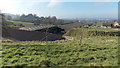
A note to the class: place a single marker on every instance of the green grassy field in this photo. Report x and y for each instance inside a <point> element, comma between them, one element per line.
<point>92,32</point>
<point>88,51</point>
<point>17,24</point>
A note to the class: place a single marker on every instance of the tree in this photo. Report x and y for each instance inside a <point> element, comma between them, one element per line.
<point>33,18</point>
<point>23,18</point>
<point>8,17</point>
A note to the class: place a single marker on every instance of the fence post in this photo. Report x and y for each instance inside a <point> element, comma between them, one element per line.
<point>81,37</point>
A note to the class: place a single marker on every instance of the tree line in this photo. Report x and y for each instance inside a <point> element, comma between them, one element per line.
<point>33,18</point>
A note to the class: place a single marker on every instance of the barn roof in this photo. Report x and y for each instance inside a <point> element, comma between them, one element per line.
<point>39,27</point>
<point>35,27</point>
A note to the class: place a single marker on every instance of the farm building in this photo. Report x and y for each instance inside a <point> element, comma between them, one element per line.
<point>32,33</point>
<point>39,32</point>
<point>116,24</point>
<point>111,24</point>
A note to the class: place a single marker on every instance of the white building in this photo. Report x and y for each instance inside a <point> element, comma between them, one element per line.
<point>116,24</point>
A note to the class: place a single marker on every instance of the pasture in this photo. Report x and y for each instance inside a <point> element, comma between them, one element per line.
<point>17,24</point>
<point>80,51</point>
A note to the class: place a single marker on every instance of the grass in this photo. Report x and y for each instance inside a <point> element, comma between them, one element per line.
<point>17,23</point>
<point>95,29</point>
<point>24,23</point>
<point>93,51</point>
<point>62,53</point>
<point>92,32</point>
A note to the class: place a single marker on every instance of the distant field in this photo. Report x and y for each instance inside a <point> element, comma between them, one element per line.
<point>17,23</point>
<point>85,51</point>
<point>93,32</point>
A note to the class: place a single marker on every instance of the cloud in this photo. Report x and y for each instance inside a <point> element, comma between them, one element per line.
<point>17,6</point>
<point>97,4</point>
<point>53,3</point>
<point>20,6</point>
<point>8,5</point>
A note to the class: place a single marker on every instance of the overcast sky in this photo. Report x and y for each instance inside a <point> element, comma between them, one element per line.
<point>62,8</point>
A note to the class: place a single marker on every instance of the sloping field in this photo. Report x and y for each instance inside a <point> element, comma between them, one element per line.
<point>18,23</point>
<point>85,51</point>
<point>92,32</point>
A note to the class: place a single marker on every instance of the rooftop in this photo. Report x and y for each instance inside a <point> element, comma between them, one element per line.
<point>32,28</point>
